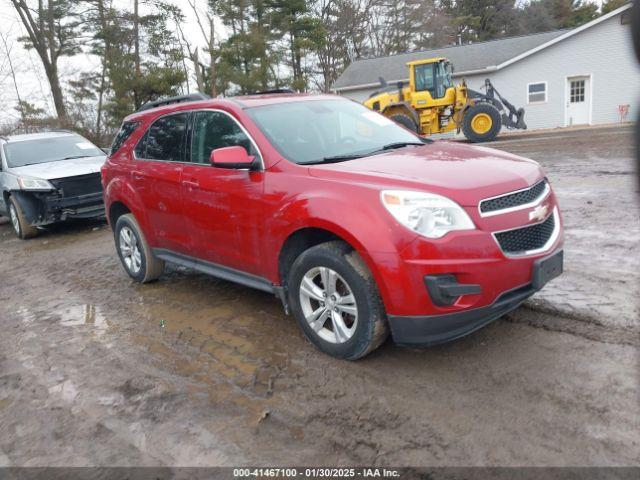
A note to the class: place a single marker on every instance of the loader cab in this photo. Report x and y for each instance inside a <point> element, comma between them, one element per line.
<point>432,76</point>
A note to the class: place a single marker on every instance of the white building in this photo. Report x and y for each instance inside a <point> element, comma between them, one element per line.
<point>586,75</point>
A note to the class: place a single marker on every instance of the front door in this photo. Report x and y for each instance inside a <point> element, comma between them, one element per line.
<point>223,206</point>
<point>578,100</point>
<point>157,176</point>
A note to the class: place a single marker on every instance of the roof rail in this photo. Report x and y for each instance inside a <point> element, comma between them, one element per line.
<point>273,90</point>
<point>193,97</point>
<point>61,130</point>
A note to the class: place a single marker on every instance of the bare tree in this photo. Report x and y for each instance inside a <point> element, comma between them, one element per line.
<point>206,24</point>
<point>192,53</point>
<point>12,72</point>
<point>52,32</point>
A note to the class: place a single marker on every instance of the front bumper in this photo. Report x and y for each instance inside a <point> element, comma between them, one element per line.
<point>45,208</point>
<point>82,206</point>
<point>435,329</point>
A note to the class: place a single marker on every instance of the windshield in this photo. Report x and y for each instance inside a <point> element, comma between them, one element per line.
<point>50,149</point>
<point>316,131</point>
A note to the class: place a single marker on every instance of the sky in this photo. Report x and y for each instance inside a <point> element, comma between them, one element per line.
<point>31,80</point>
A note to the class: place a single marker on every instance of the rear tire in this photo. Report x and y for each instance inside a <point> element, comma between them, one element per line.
<point>21,227</point>
<point>134,251</point>
<point>406,121</point>
<point>481,123</point>
<point>343,316</point>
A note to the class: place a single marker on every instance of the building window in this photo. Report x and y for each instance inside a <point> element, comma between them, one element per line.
<point>537,92</point>
<point>576,94</point>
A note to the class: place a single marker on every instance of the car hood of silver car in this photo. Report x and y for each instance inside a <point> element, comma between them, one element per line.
<point>62,168</point>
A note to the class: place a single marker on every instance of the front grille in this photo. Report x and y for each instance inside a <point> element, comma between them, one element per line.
<point>80,185</point>
<point>528,238</point>
<point>513,199</point>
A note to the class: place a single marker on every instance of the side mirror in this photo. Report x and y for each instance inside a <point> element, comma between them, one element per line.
<point>231,157</point>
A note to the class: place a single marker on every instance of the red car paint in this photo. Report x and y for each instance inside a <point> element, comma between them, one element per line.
<point>241,219</point>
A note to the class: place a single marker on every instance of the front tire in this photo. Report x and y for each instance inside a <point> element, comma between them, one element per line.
<point>21,227</point>
<point>134,251</point>
<point>481,123</point>
<point>335,300</point>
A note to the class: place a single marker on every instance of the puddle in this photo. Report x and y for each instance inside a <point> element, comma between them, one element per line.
<point>71,316</point>
<point>79,315</point>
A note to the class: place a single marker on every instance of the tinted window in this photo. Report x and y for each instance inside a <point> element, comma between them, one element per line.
<point>125,132</point>
<point>165,139</point>
<point>49,149</point>
<point>216,130</point>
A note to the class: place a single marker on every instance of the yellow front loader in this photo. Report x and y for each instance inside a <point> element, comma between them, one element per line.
<point>431,104</point>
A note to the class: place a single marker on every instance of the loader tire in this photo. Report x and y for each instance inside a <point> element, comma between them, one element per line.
<point>405,120</point>
<point>481,123</point>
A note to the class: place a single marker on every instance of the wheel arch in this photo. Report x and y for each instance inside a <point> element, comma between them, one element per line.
<point>402,107</point>
<point>5,198</point>
<point>116,210</point>
<point>305,237</point>
<point>121,198</point>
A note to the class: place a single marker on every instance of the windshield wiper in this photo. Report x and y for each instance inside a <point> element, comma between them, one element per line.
<point>353,156</point>
<point>335,159</point>
<point>393,146</point>
<point>73,157</point>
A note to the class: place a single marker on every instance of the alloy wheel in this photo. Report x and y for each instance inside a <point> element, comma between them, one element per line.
<point>130,250</point>
<point>328,305</point>
<point>14,219</point>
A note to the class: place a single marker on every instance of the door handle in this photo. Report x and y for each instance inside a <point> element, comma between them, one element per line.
<point>137,175</point>
<point>190,183</point>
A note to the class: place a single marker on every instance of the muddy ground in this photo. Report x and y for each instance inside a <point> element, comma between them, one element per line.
<point>96,370</point>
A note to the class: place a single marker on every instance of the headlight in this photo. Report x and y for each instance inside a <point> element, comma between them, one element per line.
<point>430,215</point>
<point>34,184</point>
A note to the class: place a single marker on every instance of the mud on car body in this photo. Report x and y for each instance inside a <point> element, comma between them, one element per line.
<point>49,177</point>
<point>359,226</point>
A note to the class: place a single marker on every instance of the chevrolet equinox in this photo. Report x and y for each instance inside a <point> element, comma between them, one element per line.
<point>360,227</point>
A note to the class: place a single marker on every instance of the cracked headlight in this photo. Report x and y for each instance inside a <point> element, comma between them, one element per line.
<point>427,214</point>
<point>27,183</point>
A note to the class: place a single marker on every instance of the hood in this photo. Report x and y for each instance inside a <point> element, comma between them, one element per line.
<point>464,173</point>
<point>62,168</point>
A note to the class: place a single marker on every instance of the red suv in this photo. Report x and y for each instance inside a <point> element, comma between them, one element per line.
<point>357,225</point>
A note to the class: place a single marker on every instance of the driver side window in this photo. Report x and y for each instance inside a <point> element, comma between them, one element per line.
<point>212,130</point>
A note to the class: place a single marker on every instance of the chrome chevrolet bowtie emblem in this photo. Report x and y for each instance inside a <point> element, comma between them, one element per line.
<point>539,213</point>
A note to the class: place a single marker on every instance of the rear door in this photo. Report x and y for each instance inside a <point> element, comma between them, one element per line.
<point>223,206</point>
<point>157,174</point>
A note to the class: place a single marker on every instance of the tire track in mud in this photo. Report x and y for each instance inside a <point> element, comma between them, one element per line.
<point>546,316</point>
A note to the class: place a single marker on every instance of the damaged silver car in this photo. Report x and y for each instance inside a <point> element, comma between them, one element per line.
<point>49,177</point>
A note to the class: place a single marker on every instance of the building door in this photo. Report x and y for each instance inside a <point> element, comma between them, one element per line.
<point>578,101</point>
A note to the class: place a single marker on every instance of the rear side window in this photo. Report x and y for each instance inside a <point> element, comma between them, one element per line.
<point>125,132</point>
<point>216,130</point>
<point>165,139</point>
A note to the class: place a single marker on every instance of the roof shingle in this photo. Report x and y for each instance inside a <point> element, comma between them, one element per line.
<point>474,56</point>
